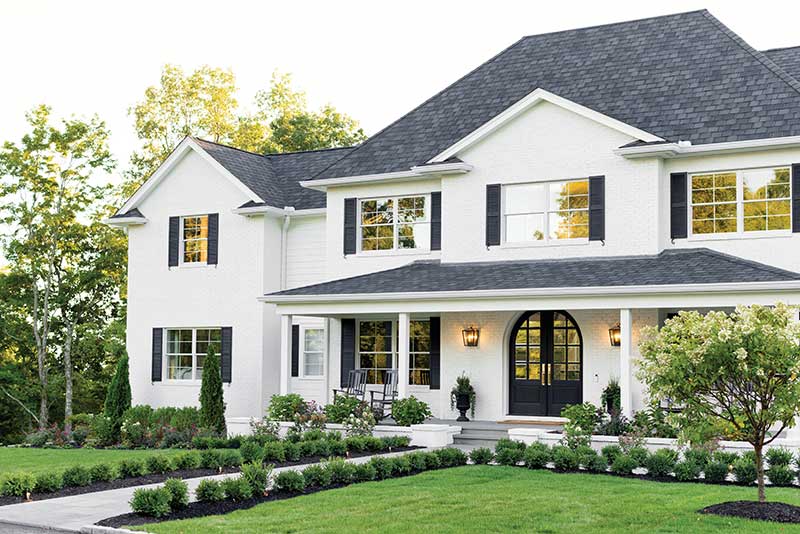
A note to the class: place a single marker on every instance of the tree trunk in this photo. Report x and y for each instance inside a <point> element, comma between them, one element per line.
<point>760,472</point>
<point>40,356</point>
<point>68,377</point>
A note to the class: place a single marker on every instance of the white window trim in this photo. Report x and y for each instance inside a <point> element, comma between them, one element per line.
<point>194,381</point>
<point>395,226</point>
<point>302,354</point>
<point>547,241</point>
<point>394,353</point>
<point>181,244</point>
<point>739,233</point>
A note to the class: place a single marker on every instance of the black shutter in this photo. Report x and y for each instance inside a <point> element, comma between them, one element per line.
<point>158,346</point>
<point>492,215</point>
<point>226,358</point>
<point>677,205</point>
<point>435,352</point>
<point>213,238</point>
<point>295,350</point>
<point>436,221</point>
<point>350,226</point>
<point>796,197</point>
<point>597,208</point>
<point>174,230</point>
<point>387,343</point>
<point>348,356</point>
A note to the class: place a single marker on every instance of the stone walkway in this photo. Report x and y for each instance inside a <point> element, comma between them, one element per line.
<point>70,514</point>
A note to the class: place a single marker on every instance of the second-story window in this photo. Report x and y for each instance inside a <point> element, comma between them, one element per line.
<point>393,223</point>
<point>743,202</point>
<point>546,211</point>
<point>194,239</point>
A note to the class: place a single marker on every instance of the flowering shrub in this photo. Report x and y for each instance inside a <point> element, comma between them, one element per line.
<point>361,422</point>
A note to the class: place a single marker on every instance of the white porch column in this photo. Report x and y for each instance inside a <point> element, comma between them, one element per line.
<point>403,342</point>
<point>625,327</point>
<point>286,353</point>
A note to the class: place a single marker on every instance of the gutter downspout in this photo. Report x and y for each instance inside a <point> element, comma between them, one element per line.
<point>284,243</point>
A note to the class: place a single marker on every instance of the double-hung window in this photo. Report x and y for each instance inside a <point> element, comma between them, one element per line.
<point>393,223</point>
<point>741,202</point>
<point>546,211</point>
<point>313,352</point>
<point>194,239</point>
<point>377,352</point>
<point>187,349</point>
<point>420,353</point>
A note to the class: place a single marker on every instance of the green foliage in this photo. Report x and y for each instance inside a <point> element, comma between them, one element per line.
<point>77,475</point>
<point>341,408</point>
<point>18,484</point>
<point>611,396</point>
<point>105,431</point>
<point>236,489</point>
<point>452,457</point>
<point>48,482</point>
<point>611,452</point>
<point>463,386</point>
<point>364,472</point>
<point>257,476</point>
<point>290,450</point>
<point>482,455</point>
<point>410,411</point>
<point>285,407</point>
<point>781,475</point>
<point>597,464</point>
<point>290,481</point>
<point>639,454</point>
<point>508,455</point>
<point>744,469</point>
<point>188,460</point>
<point>686,471</point>
<point>102,472</point>
<point>401,465</point>
<point>252,452</point>
<point>118,396</point>
<point>230,458</point>
<point>131,467</point>
<point>725,457</point>
<point>583,416</point>
<point>342,472</point>
<point>623,464</point>
<point>151,502</point>
<point>661,463</point>
<point>778,456</point>
<point>316,476</point>
<point>275,451</point>
<point>212,405</point>
<point>537,456</point>
<point>211,459</point>
<point>585,454</point>
<point>382,466</point>
<point>159,464</point>
<point>178,493</point>
<point>209,490</point>
<point>701,457</point>
<point>716,471</point>
<point>432,461</point>
<point>417,459</point>
<point>565,458</point>
<point>506,443</point>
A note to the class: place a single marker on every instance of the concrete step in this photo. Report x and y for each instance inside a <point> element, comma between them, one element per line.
<point>474,443</point>
<point>484,434</point>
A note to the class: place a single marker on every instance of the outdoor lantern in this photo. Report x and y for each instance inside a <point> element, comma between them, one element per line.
<point>614,335</point>
<point>470,336</point>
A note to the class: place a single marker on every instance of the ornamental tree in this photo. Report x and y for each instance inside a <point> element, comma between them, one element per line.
<point>212,405</point>
<point>118,396</point>
<point>737,370</point>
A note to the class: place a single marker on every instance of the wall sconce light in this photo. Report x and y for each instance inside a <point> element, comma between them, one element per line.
<point>470,336</point>
<point>614,335</point>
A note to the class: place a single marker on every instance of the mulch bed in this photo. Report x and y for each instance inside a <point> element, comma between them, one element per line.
<point>764,511</point>
<point>181,473</point>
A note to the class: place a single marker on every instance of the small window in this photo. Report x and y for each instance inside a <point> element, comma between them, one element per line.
<point>313,352</point>
<point>187,349</point>
<point>393,223</point>
<point>420,353</point>
<point>546,211</point>
<point>375,349</point>
<point>194,239</point>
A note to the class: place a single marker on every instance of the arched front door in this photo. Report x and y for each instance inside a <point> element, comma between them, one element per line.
<point>546,357</point>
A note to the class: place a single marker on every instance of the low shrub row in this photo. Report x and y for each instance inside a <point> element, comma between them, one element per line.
<point>714,467</point>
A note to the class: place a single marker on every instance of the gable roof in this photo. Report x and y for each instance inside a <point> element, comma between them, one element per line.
<point>670,267</point>
<point>786,58</point>
<point>683,77</point>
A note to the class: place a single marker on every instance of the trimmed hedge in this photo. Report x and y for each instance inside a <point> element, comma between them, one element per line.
<point>151,502</point>
<point>290,481</point>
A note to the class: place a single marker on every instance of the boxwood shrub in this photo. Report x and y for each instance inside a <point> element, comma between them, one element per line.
<point>383,467</point>
<point>337,447</point>
<point>48,482</point>
<point>18,484</point>
<point>451,457</point>
<point>252,451</point>
<point>432,461</point>
<point>508,455</point>
<point>290,481</point>
<point>159,464</point>
<point>230,458</point>
<point>564,458</point>
<point>597,464</point>
<point>686,471</point>
<point>291,452</point>
<point>506,443</point>
<point>102,472</point>
<point>188,460</point>
<point>700,457</point>
<point>178,493</point>
<point>725,457</point>
<point>342,472</point>
<point>781,475</point>
<point>661,463</point>
<point>364,472</point>
<point>744,469</point>
<point>418,462</point>
<point>131,467</point>
<point>257,476</point>
<point>236,489</point>
<point>275,451</point>
<point>317,476</point>
<point>151,502</point>
<point>401,465</point>
<point>77,475</point>
<point>624,464</point>
<point>639,454</point>
<point>210,459</point>
<point>611,452</point>
<point>481,455</point>
<point>778,456</point>
<point>537,456</point>
<point>209,490</point>
<point>715,471</point>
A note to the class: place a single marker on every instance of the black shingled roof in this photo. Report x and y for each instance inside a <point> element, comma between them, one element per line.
<point>670,267</point>
<point>680,77</point>
<point>786,58</point>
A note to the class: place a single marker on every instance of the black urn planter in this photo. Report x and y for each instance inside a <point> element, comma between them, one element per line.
<point>462,405</point>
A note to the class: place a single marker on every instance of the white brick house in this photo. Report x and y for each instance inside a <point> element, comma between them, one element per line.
<point>576,182</point>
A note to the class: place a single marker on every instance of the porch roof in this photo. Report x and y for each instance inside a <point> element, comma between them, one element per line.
<point>692,268</point>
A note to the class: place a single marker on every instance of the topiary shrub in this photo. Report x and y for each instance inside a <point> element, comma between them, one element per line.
<point>102,472</point>
<point>744,469</point>
<point>700,457</point>
<point>725,457</point>
<point>611,453</point>
<point>236,489</point>
<point>418,463</point>
<point>585,454</point>
<point>401,465</point>
<point>509,456</point>
<point>624,465</point>
<point>210,459</point>
<point>159,464</point>
<point>506,443</point>
<point>686,471</point>
<point>118,399</point>
<point>151,502</point>
<point>364,472</point>
<point>781,475</point>
<point>178,493</point>
<point>432,461</point>
<point>290,481</point>
<point>410,411</point>
<point>257,476</point>
<point>230,458</point>
<point>291,451</point>
<point>187,460</point>
<point>252,451</point>
<point>340,471</point>
<point>18,484</point>
<point>778,456</point>
<point>48,482</point>
<point>597,464</point>
<point>481,456</point>
<point>661,463</point>
<point>337,448</point>
<point>537,456</point>
<point>382,466</point>
<point>318,477</point>
<point>564,458</point>
<point>452,457</point>
<point>76,475</point>
<point>715,472</point>
<point>639,454</point>
<point>275,451</point>
<point>209,490</point>
<point>131,467</point>
<point>375,444</point>
<point>212,404</point>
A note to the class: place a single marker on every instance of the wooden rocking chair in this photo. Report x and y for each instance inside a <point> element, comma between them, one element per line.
<point>381,401</point>
<point>356,385</point>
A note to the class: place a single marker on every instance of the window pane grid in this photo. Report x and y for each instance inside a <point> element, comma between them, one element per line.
<point>376,351</point>
<point>186,350</point>
<point>395,223</point>
<point>546,211</point>
<point>195,239</point>
<point>313,351</point>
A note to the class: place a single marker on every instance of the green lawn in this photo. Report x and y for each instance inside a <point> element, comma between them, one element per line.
<point>496,499</point>
<point>38,460</point>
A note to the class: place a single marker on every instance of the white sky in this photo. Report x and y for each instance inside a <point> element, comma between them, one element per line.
<point>373,60</point>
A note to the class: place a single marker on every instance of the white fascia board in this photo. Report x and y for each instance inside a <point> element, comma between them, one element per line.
<point>685,150</point>
<point>176,156</point>
<point>414,173</point>
<point>533,98</point>
<point>278,212</point>
<point>122,222</point>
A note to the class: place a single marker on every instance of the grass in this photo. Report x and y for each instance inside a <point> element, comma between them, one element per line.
<point>496,499</point>
<point>38,460</point>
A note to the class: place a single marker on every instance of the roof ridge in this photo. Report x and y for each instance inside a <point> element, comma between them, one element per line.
<point>758,56</point>
<point>780,48</point>
<point>752,263</point>
<point>226,146</point>
<point>270,154</point>
<point>607,24</point>
<point>376,134</point>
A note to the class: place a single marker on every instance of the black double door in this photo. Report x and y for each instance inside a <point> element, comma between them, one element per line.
<point>546,358</point>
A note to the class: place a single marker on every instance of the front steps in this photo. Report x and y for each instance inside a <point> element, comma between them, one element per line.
<point>480,436</point>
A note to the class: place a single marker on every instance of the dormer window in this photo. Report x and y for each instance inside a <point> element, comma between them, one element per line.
<point>395,223</point>
<point>194,239</point>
